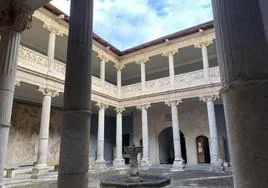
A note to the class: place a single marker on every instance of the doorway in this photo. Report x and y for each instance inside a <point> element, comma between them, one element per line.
<point>166,146</point>
<point>202,149</point>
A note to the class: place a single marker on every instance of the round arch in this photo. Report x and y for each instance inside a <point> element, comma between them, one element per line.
<point>202,149</point>
<point>166,146</point>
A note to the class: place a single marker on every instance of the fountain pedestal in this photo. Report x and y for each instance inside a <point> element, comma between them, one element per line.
<point>134,179</point>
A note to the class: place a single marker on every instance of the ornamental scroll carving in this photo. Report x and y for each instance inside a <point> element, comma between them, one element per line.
<point>16,19</point>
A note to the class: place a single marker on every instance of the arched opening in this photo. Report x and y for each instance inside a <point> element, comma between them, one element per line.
<point>166,146</point>
<point>202,148</point>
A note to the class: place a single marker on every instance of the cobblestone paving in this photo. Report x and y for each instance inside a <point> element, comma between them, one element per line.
<point>185,179</point>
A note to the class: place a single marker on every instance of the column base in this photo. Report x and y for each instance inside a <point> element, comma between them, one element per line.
<point>99,165</point>
<point>217,166</point>
<point>39,170</point>
<point>119,163</point>
<point>178,165</point>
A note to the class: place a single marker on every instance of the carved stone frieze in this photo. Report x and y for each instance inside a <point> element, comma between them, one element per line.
<point>16,18</point>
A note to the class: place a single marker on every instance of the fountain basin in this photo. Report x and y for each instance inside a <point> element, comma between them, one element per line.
<point>144,181</point>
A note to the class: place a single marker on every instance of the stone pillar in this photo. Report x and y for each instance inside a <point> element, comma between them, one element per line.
<point>216,161</point>
<point>103,60</point>
<point>170,55</point>
<point>243,62</point>
<point>119,162</point>
<point>13,21</point>
<point>74,149</point>
<point>100,162</point>
<point>179,163</point>
<point>41,167</point>
<point>142,62</point>
<point>119,77</point>
<point>204,46</point>
<point>53,32</point>
<point>145,161</point>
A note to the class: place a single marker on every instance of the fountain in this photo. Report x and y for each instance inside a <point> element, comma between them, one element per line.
<point>134,179</point>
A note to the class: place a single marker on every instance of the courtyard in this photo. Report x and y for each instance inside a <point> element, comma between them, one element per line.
<point>193,177</point>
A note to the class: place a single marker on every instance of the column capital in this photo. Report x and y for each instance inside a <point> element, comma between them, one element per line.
<point>173,102</point>
<point>119,66</point>
<point>119,110</point>
<point>208,98</point>
<point>143,106</point>
<point>142,60</point>
<point>203,44</point>
<point>102,106</point>
<point>48,92</point>
<point>16,18</point>
<point>102,57</point>
<point>170,52</point>
<point>53,29</point>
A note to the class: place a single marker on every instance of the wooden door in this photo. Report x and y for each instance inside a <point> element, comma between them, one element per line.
<point>202,148</point>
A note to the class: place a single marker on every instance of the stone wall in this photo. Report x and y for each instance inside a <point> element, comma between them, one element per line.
<point>24,134</point>
<point>193,123</point>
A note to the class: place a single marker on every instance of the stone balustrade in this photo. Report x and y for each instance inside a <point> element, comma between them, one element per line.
<point>37,63</point>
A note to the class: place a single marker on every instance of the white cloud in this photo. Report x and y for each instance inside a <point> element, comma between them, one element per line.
<point>126,23</point>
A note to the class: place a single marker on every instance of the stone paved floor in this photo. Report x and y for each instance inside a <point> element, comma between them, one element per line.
<point>192,177</point>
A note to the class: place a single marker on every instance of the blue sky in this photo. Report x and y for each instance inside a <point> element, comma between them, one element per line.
<point>128,23</point>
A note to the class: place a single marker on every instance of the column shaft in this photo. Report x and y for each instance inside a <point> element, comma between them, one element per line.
<point>171,69</point>
<point>119,80</point>
<point>74,149</point>
<point>44,131</point>
<point>100,145</point>
<point>205,61</point>
<point>214,140</point>
<point>145,138</point>
<point>102,70</point>
<point>243,61</point>
<point>143,76</point>
<point>51,49</point>
<point>9,48</point>
<point>119,135</point>
<point>176,133</point>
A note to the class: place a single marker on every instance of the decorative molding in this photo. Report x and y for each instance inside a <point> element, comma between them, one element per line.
<point>103,57</point>
<point>209,98</point>
<point>102,106</point>
<point>119,110</point>
<point>173,102</point>
<point>143,106</point>
<point>54,29</point>
<point>16,19</point>
<point>203,44</point>
<point>48,92</point>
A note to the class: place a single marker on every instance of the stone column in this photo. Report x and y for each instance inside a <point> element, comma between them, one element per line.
<point>119,77</point>
<point>13,21</point>
<point>243,62</point>
<point>41,167</point>
<point>74,149</point>
<point>103,60</point>
<point>53,32</point>
<point>119,162</point>
<point>170,55</point>
<point>145,161</point>
<point>142,62</point>
<point>100,162</point>
<point>204,46</point>
<point>179,163</point>
<point>216,161</point>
